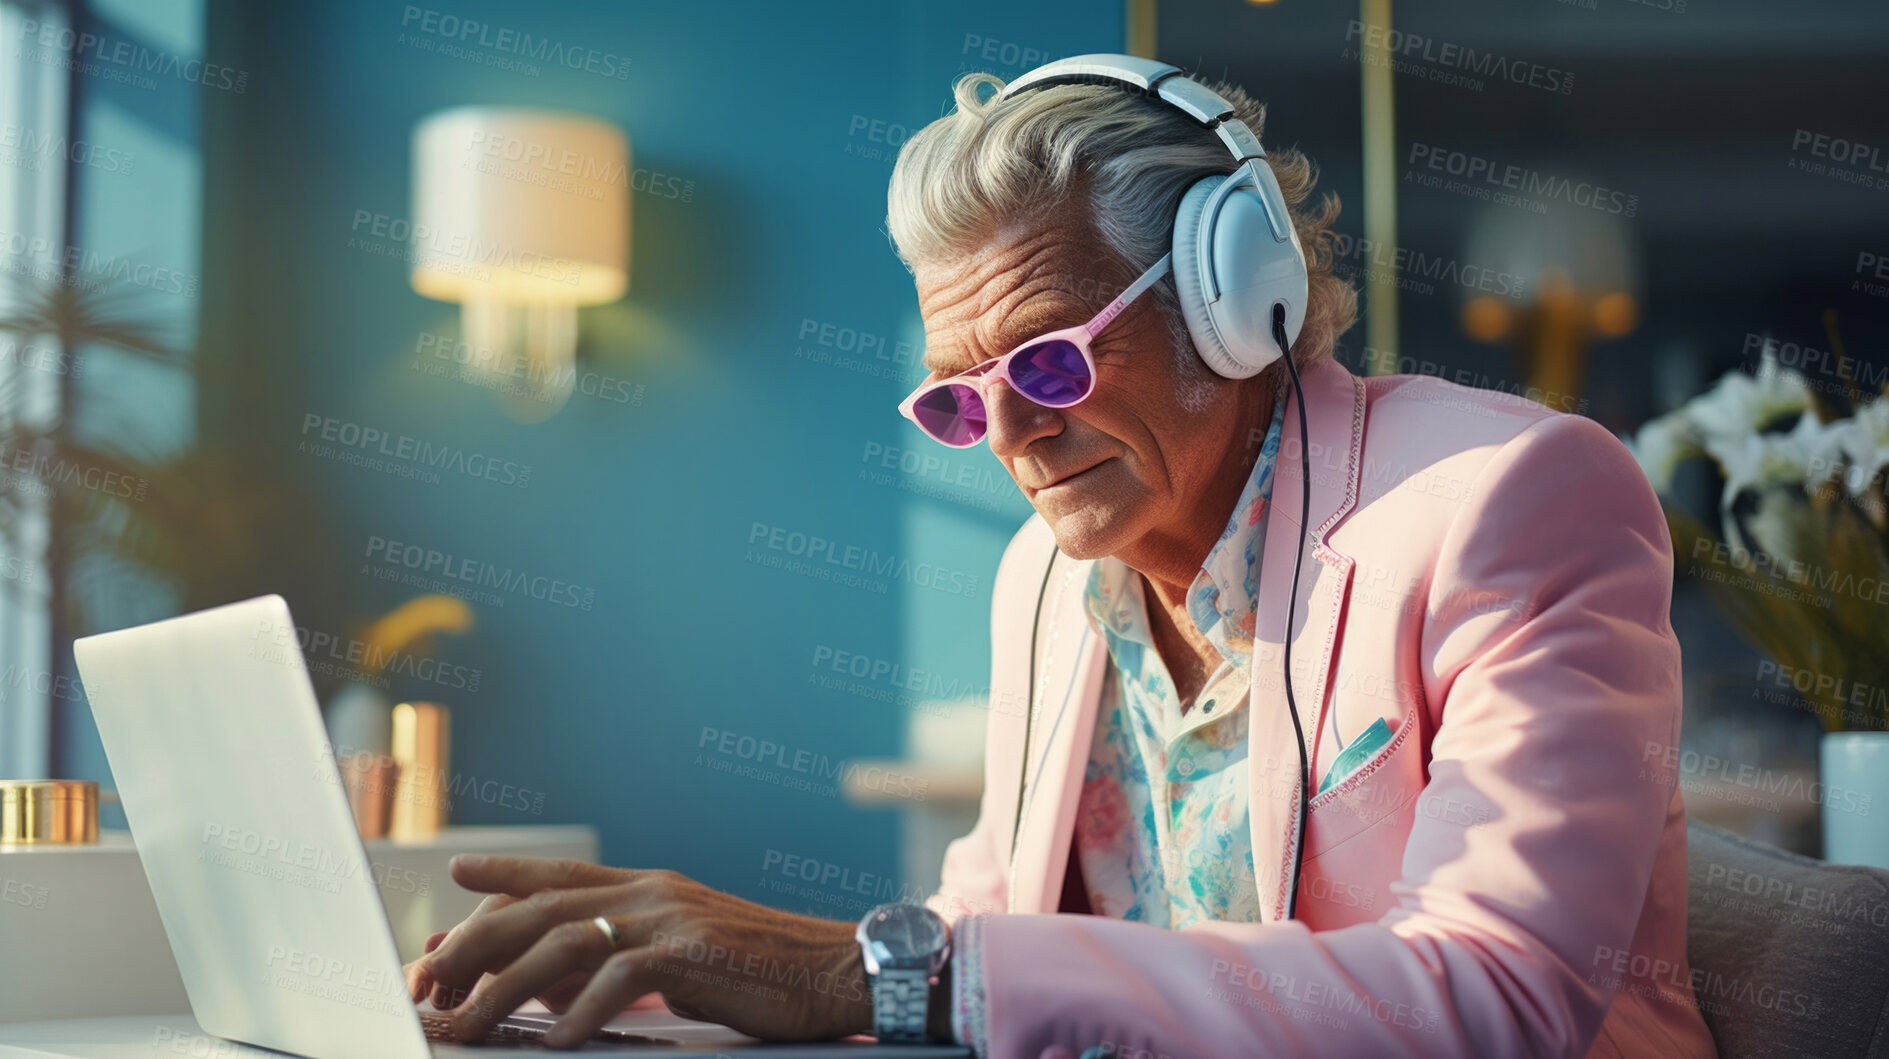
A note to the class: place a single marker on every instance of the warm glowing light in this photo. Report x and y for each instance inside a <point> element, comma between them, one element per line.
<point>521,216</point>
<point>1486,318</point>
<point>1616,314</point>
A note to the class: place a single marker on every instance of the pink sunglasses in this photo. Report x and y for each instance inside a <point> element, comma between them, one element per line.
<point>1056,370</point>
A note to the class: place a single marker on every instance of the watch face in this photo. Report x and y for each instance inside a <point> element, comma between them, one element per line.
<point>904,932</point>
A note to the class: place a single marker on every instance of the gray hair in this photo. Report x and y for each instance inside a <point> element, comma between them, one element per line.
<point>991,165</point>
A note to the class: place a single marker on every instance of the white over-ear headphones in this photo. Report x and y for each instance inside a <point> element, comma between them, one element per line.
<point>1236,255</point>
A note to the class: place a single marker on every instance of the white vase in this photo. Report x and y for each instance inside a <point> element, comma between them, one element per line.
<point>360,719</point>
<point>1855,774</point>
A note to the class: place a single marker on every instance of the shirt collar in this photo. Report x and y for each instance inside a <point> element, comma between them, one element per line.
<point>1224,595</point>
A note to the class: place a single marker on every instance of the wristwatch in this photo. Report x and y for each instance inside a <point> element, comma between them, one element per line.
<point>905,946</point>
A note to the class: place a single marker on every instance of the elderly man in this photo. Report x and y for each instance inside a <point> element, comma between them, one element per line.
<point>1333,713</point>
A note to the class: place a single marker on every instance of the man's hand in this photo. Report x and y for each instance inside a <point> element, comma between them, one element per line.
<point>763,972</point>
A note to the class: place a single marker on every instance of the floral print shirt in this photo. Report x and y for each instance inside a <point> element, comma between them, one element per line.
<point>1161,825</point>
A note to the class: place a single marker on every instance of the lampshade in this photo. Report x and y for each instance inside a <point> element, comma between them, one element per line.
<point>520,204</point>
<point>521,216</point>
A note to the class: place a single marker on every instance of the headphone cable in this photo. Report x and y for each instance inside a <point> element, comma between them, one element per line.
<point>1305,516</point>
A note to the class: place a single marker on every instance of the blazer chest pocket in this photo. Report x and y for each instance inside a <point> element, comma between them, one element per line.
<point>1387,781</point>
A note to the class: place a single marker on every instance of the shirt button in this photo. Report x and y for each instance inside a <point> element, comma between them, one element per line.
<point>1186,767</point>
<point>1207,707</point>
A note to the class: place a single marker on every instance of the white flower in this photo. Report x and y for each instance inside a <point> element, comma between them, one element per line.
<point>1663,444</point>
<point>1864,440</point>
<point>1742,403</point>
<point>1756,460</point>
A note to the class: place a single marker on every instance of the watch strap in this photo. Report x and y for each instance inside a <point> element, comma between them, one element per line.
<point>901,999</point>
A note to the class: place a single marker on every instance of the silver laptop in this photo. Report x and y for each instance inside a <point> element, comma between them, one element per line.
<point>228,783</point>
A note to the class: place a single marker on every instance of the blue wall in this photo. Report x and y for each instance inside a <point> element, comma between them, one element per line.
<point>768,131</point>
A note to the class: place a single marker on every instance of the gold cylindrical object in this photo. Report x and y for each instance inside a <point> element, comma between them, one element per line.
<point>422,739</point>
<point>371,780</point>
<point>48,812</point>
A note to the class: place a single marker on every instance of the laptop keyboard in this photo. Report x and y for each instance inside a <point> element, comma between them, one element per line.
<point>439,1029</point>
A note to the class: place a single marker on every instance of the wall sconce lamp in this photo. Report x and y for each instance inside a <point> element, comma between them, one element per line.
<point>1554,284</point>
<point>521,216</point>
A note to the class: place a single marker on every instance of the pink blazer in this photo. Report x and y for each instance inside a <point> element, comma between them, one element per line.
<point>1506,877</point>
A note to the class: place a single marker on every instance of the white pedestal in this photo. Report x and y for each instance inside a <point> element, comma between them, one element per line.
<point>81,936</point>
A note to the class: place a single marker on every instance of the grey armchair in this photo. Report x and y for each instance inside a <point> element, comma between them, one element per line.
<point>1790,955</point>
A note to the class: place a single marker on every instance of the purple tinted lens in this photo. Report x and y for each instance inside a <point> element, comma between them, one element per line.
<point>952,414</point>
<point>1052,373</point>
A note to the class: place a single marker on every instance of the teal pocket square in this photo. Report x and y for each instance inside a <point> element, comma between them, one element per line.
<point>1356,753</point>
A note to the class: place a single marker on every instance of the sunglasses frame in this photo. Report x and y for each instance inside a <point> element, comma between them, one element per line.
<point>979,377</point>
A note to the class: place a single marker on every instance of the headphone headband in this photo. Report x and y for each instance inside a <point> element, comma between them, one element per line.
<point>1172,85</point>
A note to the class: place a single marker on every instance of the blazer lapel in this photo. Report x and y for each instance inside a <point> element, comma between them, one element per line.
<point>1070,669</point>
<point>1334,421</point>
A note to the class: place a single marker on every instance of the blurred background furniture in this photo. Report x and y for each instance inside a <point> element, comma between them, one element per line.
<point>84,914</point>
<point>1790,955</point>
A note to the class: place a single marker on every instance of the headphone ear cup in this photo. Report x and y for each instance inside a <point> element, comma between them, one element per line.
<point>1190,285</point>
<point>1252,270</point>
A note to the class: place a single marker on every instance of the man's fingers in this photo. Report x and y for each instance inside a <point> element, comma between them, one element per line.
<point>623,977</point>
<point>448,997</point>
<point>524,876</point>
<point>432,941</point>
<point>488,943</point>
<point>568,947</point>
<point>558,998</point>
